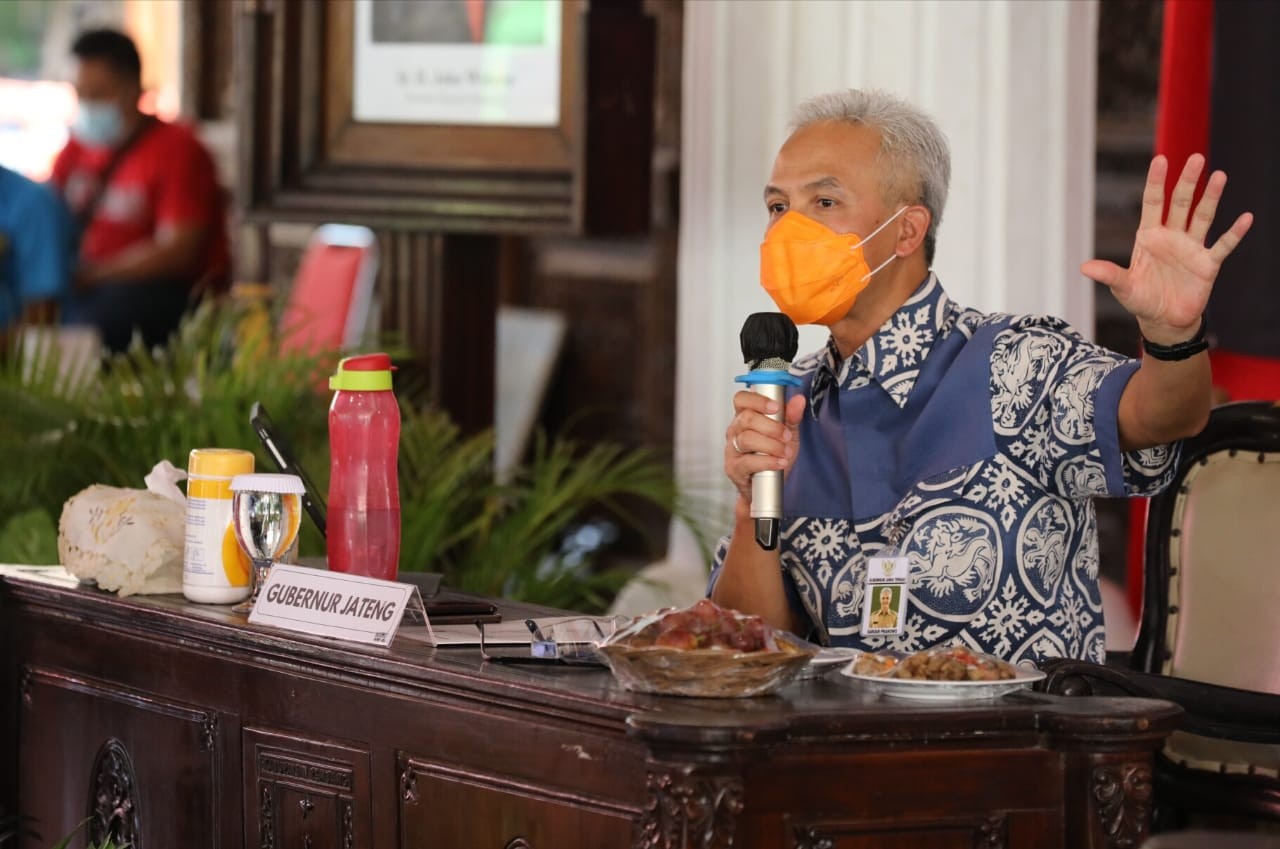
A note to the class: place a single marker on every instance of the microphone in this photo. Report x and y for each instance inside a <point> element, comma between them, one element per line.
<point>769,342</point>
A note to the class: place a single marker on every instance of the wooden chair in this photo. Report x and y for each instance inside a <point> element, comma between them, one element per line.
<point>1209,638</point>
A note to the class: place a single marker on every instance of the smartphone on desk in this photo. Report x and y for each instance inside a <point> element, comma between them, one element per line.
<point>446,611</point>
<point>461,612</point>
<point>281,453</point>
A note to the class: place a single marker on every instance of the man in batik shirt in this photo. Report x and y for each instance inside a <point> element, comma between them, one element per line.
<point>971,444</point>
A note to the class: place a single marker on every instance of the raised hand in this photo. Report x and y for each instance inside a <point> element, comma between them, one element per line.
<point>1171,273</point>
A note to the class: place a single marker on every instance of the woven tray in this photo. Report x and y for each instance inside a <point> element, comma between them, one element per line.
<point>707,673</point>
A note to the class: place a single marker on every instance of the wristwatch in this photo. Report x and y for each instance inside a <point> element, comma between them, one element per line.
<point>1181,351</point>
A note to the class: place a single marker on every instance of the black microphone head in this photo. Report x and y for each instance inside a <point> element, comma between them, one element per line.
<point>769,336</point>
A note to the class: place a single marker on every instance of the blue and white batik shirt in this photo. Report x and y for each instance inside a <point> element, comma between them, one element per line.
<point>976,442</point>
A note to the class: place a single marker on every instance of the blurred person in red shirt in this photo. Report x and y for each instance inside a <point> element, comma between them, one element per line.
<point>145,195</point>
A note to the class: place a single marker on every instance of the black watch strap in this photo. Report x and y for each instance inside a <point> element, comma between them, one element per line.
<point>1181,351</point>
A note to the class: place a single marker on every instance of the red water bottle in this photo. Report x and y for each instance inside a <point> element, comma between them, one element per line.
<point>364,491</point>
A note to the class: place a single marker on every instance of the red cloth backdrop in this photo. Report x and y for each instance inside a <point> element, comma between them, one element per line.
<point>1186,80</point>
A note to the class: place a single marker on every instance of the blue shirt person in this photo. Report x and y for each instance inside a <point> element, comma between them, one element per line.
<point>972,442</point>
<point>36,245</point>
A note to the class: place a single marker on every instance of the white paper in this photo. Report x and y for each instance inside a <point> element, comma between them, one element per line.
<point>56,575</point>
<point>163,480</point>
<point>511,632</point>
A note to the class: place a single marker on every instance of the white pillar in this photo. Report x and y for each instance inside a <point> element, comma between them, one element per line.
<point>1011,83</point>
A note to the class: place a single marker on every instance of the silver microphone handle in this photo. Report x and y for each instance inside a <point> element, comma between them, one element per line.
<point>766,487</point>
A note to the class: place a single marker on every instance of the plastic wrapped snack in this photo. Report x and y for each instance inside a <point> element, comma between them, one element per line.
<point>575,639</point>
<point>704,650</point>
<point>128,540</point>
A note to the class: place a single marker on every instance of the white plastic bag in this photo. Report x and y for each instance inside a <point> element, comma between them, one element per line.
<point>128,540</point>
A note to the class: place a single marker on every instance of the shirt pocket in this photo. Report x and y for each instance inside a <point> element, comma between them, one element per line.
<point>953,541</point>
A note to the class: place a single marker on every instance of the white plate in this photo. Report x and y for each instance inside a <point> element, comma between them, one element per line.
<point>832,655</point>
<point>917,689</point>
<point>827,659</point>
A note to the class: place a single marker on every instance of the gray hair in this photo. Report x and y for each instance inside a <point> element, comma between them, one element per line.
<point>911,145</point>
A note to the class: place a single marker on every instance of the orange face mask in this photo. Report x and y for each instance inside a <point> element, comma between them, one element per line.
<point>813,273</point>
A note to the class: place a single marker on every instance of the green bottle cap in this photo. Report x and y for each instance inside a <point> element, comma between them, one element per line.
<point>365,373</point>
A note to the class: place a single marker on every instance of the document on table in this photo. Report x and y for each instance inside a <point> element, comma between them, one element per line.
<point>56,575</point>
<point>509,632</point>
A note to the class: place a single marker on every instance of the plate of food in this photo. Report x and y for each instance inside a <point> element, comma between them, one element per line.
<point>944,674</point>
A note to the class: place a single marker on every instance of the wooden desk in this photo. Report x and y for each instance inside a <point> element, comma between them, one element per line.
<point>1213,840</point>
<point>201,731</point>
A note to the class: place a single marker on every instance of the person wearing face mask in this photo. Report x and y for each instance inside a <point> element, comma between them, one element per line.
<point>145,195</point>
<point>966,445</point>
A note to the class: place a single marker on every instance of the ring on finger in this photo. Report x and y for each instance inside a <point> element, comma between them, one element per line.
<point>734,443</point>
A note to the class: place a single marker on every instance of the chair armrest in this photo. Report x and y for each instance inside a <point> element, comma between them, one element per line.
<point>1120,659</point>
<point>1211,710</point>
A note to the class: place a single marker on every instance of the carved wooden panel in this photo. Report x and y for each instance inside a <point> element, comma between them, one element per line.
<point>303,793</point>
<point>1113,794</point>
<point>93,749</point>
<point>501,812</point>
<point>113,798</point>
<point>1122,794</point>
<point>982,832</point>
<point>687,808</point>
<point>810,837</point>
<point>953,799</point>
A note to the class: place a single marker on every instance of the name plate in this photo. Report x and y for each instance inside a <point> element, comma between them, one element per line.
<point>333,604</point>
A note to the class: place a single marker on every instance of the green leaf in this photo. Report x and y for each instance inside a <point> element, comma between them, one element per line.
<point>66,841</point>
<point>30,538</point>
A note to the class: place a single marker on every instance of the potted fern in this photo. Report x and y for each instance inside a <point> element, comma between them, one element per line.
<point>496,538</point>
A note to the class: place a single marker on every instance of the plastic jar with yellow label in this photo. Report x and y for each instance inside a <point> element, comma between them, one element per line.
<point>214,569</point>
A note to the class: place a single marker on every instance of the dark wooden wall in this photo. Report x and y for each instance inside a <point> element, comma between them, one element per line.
<point>1128,74</point>
<point>615,283</point>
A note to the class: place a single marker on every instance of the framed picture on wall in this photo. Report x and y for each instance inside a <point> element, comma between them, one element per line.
<point>457,62</point>
<point>440,115</point>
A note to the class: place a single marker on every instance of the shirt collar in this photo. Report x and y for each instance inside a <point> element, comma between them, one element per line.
<point>894,354</point>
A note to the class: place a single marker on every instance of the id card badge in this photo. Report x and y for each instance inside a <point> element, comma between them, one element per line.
<point>884,602</point>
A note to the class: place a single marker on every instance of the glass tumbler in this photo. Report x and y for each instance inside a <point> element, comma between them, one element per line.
<point>266,513</point>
